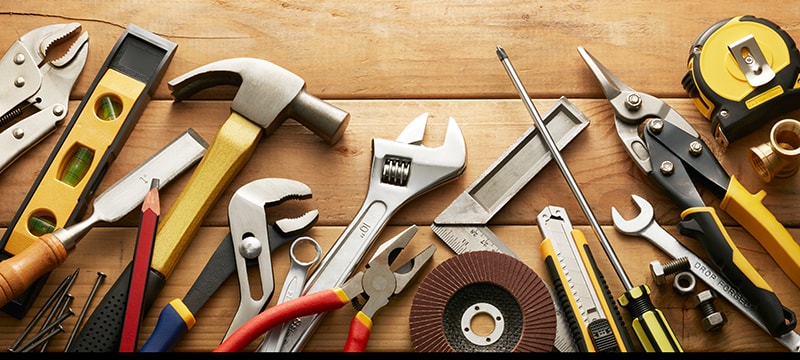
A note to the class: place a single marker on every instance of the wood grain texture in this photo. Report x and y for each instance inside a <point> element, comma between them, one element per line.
<point>386,63</point>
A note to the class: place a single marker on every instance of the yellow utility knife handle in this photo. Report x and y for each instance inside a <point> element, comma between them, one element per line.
<point>748,210</point>
<point>581,333</point>
<point>730,261</point>
<point>604,294</point>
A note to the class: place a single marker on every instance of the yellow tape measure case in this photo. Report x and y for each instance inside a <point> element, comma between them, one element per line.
<point>742,72</point>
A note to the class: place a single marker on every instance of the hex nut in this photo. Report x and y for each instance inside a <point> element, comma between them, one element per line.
<point>703,297</point>
<point>714,321</point>
<point>657,271</point>
<point>684,282</point>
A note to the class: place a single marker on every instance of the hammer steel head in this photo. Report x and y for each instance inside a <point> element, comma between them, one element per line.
<point>268,94</point>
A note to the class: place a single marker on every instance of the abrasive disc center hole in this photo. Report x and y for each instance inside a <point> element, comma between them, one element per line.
<point>482,324</point>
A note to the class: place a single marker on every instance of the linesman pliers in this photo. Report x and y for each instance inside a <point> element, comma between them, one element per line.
<point>671,152</point>
<point>26,81</point>
<point>376,284</point>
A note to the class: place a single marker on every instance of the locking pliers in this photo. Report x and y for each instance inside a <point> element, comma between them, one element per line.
<point>27,81</point>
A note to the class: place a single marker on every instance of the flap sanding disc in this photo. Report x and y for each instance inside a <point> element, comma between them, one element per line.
<point>488,283</point>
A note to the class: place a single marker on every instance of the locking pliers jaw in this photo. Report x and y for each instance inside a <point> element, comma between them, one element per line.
<point>27,81</point>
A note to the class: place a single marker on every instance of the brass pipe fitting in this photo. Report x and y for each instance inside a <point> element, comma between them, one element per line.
<point>780,157</point>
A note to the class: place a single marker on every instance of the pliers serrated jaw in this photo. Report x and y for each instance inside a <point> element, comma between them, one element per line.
<point>378,282</point>
<point>28,81</point>
<point>254,238</point>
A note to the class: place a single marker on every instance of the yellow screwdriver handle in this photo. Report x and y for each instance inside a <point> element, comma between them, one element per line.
<point>20,271</point>
<point>649,323</point>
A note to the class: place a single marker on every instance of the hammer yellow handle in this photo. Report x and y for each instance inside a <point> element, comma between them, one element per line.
<point>231,148</point>
<point>20,271</point>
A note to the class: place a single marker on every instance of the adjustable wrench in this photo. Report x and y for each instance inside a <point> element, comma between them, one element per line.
<point>401,170</point>
<point>644,225</point>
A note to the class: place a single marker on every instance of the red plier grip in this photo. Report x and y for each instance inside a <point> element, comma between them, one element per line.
<point>360,328</point>
<point>319,302</point>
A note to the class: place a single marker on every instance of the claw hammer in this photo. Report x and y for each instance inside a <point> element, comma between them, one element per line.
<point>268,94</point>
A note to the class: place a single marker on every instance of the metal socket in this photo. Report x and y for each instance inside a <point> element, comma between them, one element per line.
<point>780,157</point>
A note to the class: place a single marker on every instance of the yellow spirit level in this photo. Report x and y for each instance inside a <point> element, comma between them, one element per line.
<point>91,141</point>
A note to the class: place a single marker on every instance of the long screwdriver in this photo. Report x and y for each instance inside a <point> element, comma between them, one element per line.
<point>649,323</point>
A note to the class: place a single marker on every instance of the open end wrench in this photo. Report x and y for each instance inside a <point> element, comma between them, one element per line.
<point>401,171</point>
<point>644,225</point>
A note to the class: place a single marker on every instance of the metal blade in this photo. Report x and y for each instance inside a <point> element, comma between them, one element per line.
<point>514,168</point>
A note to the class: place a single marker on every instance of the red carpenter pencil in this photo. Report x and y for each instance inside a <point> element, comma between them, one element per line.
<point>141,265</point>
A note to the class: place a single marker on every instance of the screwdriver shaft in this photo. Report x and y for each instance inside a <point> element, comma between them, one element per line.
<point>573,185</point>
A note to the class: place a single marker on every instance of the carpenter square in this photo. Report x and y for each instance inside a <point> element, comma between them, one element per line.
<point>463,224</point>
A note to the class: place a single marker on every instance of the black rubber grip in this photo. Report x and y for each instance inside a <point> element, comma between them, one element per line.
<point>564,304</point>
<point>703,226</point>
<point>612,304</point>
<point>103,329</point>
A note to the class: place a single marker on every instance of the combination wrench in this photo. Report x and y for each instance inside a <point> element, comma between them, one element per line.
<point>401,170</point>
<point>292,287</point>
<point>644,225</point>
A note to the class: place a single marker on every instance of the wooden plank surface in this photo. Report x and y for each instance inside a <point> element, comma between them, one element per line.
<point>386,63</point>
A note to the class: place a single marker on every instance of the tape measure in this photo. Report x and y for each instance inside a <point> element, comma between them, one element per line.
<point>742,71</point>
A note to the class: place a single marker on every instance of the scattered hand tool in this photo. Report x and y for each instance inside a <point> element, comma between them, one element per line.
<point>377,284</point>
<point>649,323</point>
<point>21,270</point>
<point>251,116</point>
<point>671,152</point>
<point>292,287</point>
<point>401,170</point>
<point>463,224</point>
<point>595,321</point>
<point>742,71</point>
<point>251,241</point>
<point>148,224</point>
<point>644,225</point>
<point>28,81</point>
<point>88,145</point>
<point>247,208</point>
<point>459,292</point>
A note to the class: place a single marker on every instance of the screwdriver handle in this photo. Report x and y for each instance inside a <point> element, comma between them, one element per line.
<point>703,224</point>
<point>649,323</point>
<point>20,271</point>
<point>174,321</point>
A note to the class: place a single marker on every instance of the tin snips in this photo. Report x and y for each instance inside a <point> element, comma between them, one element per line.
<point>32,84</point>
